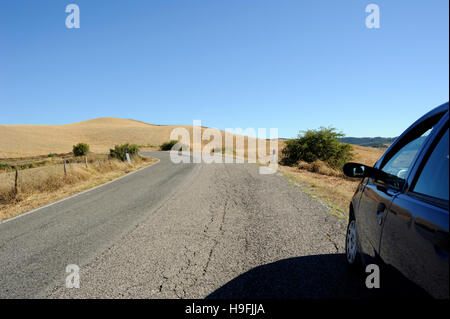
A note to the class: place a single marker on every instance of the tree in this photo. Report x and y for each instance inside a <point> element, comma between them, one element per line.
<point>80,149</point>
<point>321,144</point>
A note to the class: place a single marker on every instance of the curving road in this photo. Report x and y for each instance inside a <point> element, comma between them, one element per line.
<point>181,231</point>
<point>36,248</point>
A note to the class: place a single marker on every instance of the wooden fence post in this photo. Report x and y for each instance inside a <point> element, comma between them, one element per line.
<point>85,161</point>
<point>65,171</point>
<point>15,182</point>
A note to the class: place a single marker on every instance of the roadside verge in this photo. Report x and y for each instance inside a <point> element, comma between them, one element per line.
<point>42,188</point>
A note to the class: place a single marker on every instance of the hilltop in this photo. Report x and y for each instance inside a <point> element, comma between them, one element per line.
<point>21,141</point>
<point>101,134</point>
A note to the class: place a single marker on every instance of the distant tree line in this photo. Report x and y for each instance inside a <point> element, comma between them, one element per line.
<point>379,142</point>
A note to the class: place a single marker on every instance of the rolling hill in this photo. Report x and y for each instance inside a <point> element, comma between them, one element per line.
<point>101,134</point>
<point>19,141</point>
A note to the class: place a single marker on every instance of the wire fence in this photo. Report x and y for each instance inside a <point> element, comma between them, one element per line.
<point>13,182</point>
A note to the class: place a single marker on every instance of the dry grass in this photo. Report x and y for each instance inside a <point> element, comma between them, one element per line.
<point>43,185</point>
<point>335,191</point>
<point>319,167</point>
<point>366,155</point>
<point>34,162</point>
<point>101,134</point>
<point>327,184</point>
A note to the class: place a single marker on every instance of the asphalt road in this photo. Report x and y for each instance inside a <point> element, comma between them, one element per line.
<point>181,231</point>
<point>36,248</point>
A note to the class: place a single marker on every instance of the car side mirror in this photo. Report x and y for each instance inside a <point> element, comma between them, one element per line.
<point>357,170</point>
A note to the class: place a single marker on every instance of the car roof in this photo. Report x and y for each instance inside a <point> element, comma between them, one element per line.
<point>441,109</point>
<point>437,111</point>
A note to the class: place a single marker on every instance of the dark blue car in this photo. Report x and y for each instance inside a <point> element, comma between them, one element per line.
<point>399,213</point>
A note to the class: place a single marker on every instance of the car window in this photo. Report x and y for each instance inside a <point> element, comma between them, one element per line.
<point>433,180</point>
<point>397,167</point>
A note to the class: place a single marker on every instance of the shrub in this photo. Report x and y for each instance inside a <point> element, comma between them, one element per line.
<point>167,146</point>
<point>313,145</point>
<point>80,149</point>
<point>120,151</point>
<point>52,155</point>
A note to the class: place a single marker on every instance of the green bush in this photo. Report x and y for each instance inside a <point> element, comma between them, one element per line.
<point>167,146</point>
<point>120,151</point>
<point>52,155</point>
<point>80,149</point>
<point>321,144</point>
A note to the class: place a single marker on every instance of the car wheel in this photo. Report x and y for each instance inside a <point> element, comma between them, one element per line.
<point>351,244</point>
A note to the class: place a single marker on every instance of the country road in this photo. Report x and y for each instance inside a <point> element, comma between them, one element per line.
<point>181,231</point>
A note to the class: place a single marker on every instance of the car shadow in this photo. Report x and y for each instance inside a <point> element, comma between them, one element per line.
<point>312,277</point>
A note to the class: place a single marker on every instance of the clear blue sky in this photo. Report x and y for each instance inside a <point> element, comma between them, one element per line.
<point>290,64</point>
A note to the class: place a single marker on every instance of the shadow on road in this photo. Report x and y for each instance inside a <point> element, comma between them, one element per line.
<point>317,276</point>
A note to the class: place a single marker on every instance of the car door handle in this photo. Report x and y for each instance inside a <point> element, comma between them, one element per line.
<point>381,208</point>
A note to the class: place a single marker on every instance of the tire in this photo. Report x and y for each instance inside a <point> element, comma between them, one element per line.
<point>351,245</point>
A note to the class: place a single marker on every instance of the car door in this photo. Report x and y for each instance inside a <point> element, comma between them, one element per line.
<point>415,238</point>
<point>379,191</point>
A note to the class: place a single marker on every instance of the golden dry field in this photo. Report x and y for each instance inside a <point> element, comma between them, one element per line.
<point>101,134</point>
<point>22,141</point>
